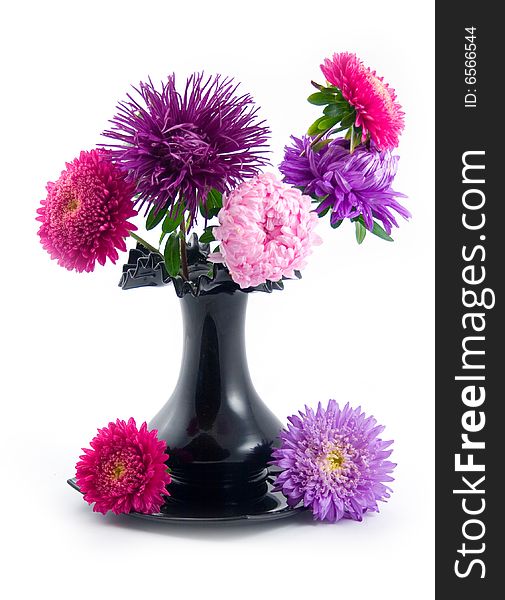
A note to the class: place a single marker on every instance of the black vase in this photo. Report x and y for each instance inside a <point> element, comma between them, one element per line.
<point>218,431</point>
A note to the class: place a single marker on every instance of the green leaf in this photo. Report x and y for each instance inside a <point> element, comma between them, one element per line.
<point>213,204</point>
<point>332,110</point>
<point>323,212</point>
<point>380,232</point>
<point>321,144</point>
<point>337,224</point>
<point>338,130</point>
<point>377,229</point>
<point>208,235</point>
<point>155,217</point>
<point>174,218</point>
<point>360,231</point>
<point>344,105</point>
<point>332,89</point>
<point>327,123</point>
<point>314,128</point>
<point>355,138</point>
<point>348,120</point>
<point>172,254</point>
<point>321,98</point>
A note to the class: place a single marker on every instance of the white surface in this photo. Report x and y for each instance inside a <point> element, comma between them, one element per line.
<point>72,345</point>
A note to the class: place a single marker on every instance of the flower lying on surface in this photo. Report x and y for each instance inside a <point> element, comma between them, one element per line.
<point>178,146</point>
<point>349,185</point>
<point>85,215</point>
<point>333,461</point>
<point>266,231</point>
<point>124,470</point>
<point>377,112</point>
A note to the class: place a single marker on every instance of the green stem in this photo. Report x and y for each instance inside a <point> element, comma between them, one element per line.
<point>352,140</point>
<point>318,137</point>
<point>146,245</point>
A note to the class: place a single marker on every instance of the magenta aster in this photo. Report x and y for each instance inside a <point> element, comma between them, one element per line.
<point>266,231</point>
<point>334,462</point>
<point>377,111</point>
<point>124,470</point>
<point>84,218</point>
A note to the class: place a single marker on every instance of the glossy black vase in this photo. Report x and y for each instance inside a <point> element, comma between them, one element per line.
<point>218,431</point>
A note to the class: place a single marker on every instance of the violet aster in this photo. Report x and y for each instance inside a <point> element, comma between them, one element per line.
<point>84,218</point>
<point>333,461</point>
<point>179,145</point>
<point>349,185</point>
<point>124,469</point>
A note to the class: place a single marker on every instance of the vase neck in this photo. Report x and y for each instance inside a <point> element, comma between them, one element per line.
<point>214,355</point>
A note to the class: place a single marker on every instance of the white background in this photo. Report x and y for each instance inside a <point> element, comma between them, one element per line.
<point>78,352</point>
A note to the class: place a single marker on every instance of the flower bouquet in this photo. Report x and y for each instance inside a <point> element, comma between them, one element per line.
<point>191,162</point>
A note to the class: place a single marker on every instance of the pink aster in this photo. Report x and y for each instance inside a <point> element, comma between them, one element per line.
<point>85,215</point>
<point>124,470</point>
<point>266,231</point>
<point>377,111</point>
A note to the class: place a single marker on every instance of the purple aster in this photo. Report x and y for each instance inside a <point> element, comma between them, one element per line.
<point>177,145</point>
<point>333,461</point>
<point>349,184</point>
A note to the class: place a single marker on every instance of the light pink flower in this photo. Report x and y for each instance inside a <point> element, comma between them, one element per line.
<point>377,111</point>
<point>124,470</point>
<point>265,232</point>
<point>85,215</point>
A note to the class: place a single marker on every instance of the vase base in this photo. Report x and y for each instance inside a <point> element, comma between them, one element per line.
<point>273,505</point>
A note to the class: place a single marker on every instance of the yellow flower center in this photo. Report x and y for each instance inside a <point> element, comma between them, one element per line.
<point>118,471</point>
<point>334,460</point>
<point>72,206</point>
